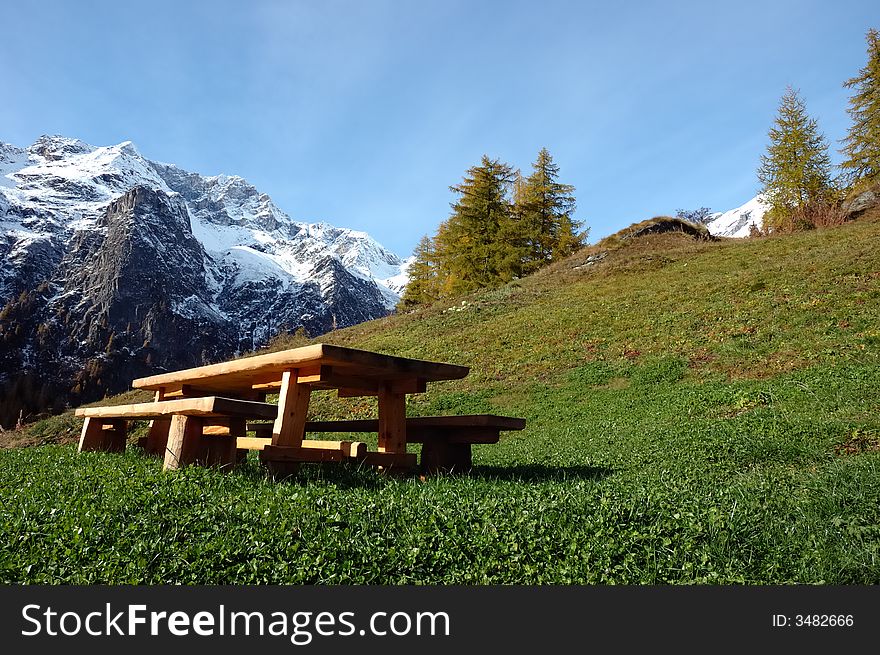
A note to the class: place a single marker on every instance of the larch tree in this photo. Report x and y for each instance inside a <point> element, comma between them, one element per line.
<point>544,208</point>
<point>470,245</point>
<point>861,146</point>
<point>796,170</point>
<point>423,285</point>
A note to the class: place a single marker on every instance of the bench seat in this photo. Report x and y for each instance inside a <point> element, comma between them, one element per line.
<point>446,440</point>
<point>208,406</point>
<point>180,430</point>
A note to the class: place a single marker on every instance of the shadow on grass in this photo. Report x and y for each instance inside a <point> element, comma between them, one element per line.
<point>349,475</point>
<point>540,473</point>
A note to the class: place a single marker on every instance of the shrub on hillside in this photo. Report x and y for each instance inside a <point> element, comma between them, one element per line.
<point>815,214</point>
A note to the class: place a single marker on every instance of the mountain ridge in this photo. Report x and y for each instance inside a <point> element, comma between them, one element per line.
<point>103,250</point>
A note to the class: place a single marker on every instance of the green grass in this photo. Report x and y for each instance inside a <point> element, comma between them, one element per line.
<point>697,413</point>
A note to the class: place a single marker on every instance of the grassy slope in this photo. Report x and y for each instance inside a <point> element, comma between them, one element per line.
<point>697,412</point>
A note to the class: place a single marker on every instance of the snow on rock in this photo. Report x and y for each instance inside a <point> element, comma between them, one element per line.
<point>738,222</point>
<point>116,253</point>
<point>59,186</point>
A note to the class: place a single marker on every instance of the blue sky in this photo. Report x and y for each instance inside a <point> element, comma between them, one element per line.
<point>362,114</point>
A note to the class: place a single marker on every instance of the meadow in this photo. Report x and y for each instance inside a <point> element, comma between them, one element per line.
<point>698,412</point>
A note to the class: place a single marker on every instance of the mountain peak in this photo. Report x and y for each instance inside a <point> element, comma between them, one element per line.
<point>56,146</point>
<point>120,257</point>
<point>738,223</point>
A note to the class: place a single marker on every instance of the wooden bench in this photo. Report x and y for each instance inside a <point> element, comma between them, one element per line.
<point>184,430</point>
<point>446,440</point>
<point>201,429</point>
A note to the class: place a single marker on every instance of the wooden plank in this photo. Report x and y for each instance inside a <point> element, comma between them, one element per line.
<point>300,454</point>
<point>454,435</point>
<point>355,393</point>
<point>330,378</point>
<point>208,406</point>
<point>484,429</point>
<point>262,430</point>
<point>349,385</point>
<point>273,381</point>
<point>240,373</point>
<point>392,421</point>
<point>188,391</point>
<point>407,385</point>
<point>417,422</point>
<point>293,409</point>
<point>348,448</point>
<point>193,391</point>
<point>184,438</point>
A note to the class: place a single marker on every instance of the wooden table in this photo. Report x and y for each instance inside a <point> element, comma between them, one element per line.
<point>294,374</point>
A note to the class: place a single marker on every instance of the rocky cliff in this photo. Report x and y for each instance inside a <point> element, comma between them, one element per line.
<point>114,266</point>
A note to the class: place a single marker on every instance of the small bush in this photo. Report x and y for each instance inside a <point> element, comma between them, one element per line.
<point>816,214</point>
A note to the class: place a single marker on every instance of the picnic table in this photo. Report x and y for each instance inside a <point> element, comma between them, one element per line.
<point>201,414</point>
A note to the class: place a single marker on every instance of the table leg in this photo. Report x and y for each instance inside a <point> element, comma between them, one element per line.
<point>392,455</point>
<point>392,420</point>
<point>290,425</point>
<point>293,408</point>
<point>184,440</point>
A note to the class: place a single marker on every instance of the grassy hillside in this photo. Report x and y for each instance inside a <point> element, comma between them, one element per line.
<point>697,412</point>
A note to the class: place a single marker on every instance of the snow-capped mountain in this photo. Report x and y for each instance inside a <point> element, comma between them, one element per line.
<point>738,222</point>
<point>105,254</point>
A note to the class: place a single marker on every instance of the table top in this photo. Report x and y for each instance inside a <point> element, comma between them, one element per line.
<point>322,365</point>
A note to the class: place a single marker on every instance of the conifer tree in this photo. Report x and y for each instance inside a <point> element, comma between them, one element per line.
<point>423,285</point>
<point>544,208</point>
<point>861,147</point>
<point>796,169</point>
<point>470,247</point>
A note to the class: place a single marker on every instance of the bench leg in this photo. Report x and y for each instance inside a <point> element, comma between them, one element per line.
<point>460,458</point>
<point>440,456</point>
<point>435,453</point>
<point>92,436</point>
<point>184,440</point>
<point>101,434</point>
<point>115,435</point>
<point>157,438</point>
<point>290,425</point>
<point>279,470</point>
<point>220,449</point>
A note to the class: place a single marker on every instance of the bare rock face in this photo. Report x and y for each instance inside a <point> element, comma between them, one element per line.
<point>113,267</point>
<point>143,264</point>
<point>861,202</point>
